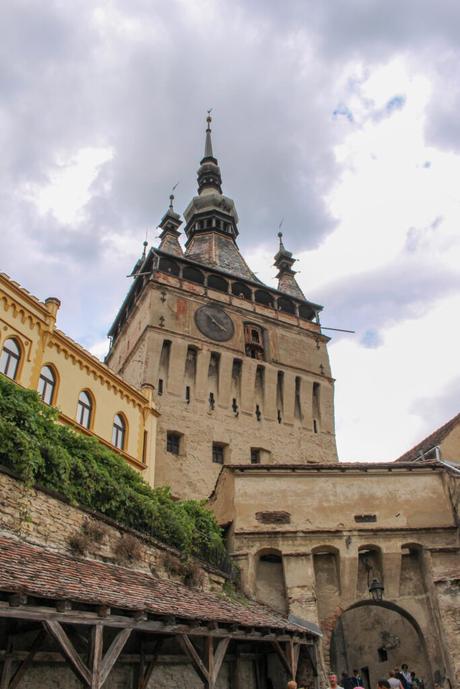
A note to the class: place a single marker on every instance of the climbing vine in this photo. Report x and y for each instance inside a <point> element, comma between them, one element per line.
<point>46,453</point>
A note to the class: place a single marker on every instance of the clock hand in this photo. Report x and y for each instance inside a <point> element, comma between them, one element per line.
<point>213,320</point>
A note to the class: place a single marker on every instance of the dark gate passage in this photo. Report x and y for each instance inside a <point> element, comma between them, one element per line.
<point>375,638</point>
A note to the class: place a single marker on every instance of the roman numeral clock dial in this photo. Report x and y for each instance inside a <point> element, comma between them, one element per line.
<point>215,323</point>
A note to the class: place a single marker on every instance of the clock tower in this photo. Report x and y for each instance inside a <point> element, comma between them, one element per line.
<point>240,369</point>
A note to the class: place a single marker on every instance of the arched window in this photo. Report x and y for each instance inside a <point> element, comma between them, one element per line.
<point>193,275</point>
<point>10,358</point>
<point>239,289</point>
<point>217,283</point>
<point>167,265</point>
<point>286,305</point>
<point>84,409</point>
<point>263,297</point>
<point>119,432</point>
<point>47,384</point>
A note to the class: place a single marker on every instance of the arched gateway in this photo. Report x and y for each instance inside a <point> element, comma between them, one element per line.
<point>375,637</point>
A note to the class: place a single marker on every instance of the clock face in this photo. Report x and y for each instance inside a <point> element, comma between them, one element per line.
<point>213,322</point>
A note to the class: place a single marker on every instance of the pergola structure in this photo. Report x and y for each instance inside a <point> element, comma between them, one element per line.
<point>92,615</point>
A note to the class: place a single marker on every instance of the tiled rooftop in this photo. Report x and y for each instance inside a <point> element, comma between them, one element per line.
<point>39,572</point>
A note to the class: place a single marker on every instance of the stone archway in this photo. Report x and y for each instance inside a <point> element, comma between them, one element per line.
<point>374,637</point>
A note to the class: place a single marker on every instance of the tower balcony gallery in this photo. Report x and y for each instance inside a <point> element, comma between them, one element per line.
<point>240,370</point>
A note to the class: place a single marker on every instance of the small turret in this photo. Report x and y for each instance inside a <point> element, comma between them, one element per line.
<point>169,236</point>
<point>286,276</point>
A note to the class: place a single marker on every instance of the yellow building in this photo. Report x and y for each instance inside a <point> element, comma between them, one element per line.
<point>90,397</point>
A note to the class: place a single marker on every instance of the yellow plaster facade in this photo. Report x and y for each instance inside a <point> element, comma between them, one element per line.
<point>31,324</point>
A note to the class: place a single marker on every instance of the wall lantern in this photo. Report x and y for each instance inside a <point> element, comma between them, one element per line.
<point>376,589</point>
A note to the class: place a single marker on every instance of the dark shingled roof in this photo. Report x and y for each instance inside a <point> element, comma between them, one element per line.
<point>430,441</point>
<point>40,572</point>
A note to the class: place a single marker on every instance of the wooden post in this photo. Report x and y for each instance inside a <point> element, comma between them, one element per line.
<point>27,662</point>
<point>97,644</point>
<point>7,665</point>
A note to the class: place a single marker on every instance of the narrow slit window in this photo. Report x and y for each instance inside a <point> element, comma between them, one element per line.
<point>255,455</point>
<point>218,453</point>
<point>173,442</point>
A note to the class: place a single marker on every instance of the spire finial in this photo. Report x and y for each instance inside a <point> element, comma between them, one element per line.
<point>171,197</point>
<point>208,144</point>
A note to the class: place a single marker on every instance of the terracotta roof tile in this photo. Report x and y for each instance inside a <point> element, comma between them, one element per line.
<point>39,572</point>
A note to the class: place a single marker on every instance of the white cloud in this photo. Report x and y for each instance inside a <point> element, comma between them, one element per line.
<point>341,117</point>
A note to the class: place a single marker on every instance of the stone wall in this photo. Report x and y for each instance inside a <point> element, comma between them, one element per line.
<point>268,405</point>
<point>41,518</point>
<point>38,517</point>
<point>348,524</point>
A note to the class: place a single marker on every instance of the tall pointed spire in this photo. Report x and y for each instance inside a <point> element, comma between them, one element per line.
<point>286,276</point>
<point>209,177</point>
<point>208,143</point>
<point>169,226</point>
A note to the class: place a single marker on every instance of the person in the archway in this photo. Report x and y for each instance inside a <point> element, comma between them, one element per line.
<point>394,682</point>
<point>357,679</point>
<point>399,675</point>
<point>407,675</point>
<point>333,684</point>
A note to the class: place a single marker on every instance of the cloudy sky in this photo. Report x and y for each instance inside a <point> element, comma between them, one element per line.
<point>342,117</point>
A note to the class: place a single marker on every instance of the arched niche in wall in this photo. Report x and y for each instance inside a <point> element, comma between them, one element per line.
<point>411,581</point>
<point>369,568</point>
<point>326,564</point>
<point>270,581</point>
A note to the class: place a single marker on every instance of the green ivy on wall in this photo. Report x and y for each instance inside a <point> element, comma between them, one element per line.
<point>45,453</point>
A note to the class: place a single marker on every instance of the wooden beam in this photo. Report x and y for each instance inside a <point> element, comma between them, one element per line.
<point>7,665</point>
<point>95,656</point>
<point>16,599</point>
<point>209,659</point>
<point>112,654</point>
<point>293,657</point>
<point>197,663</point>
<point>152,626</point>
<point>282,656</point>
<point>27,662</point>
<point>57,632</point>
<point>145,676</point>
<point>218,659</point>
<point>311,652</point>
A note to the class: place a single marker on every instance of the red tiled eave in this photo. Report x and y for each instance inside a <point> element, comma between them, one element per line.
<point>42,573</point>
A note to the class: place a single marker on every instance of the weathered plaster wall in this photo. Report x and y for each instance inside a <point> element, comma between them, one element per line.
<point>285,430</point>
<point>341,526</point>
